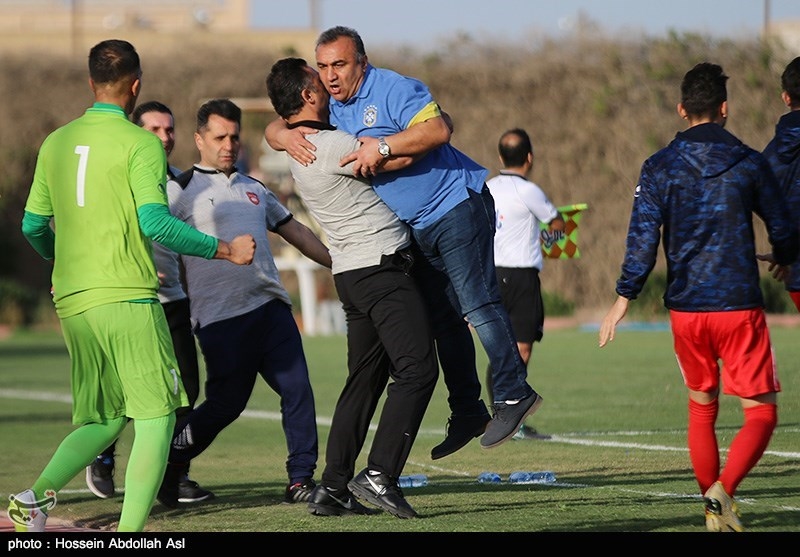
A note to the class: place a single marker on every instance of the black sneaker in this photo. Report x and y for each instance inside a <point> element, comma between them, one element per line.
<point>168,492</point>
<point>190,492</point>
<point>299,492</point>
<point>508,418</point>
<point>382,491</point>
<point>100,476</point>
<point>326,502</point>
<point>460,431</point>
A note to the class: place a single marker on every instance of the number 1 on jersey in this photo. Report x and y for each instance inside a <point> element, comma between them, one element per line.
<point>83,152</point>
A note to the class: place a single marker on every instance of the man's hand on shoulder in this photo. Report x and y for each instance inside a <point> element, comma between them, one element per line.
<point>293,141</point>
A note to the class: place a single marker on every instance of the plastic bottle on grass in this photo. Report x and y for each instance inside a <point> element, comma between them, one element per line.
<point>489,478</point>
<point>415,480</point>
<point>546,477</point>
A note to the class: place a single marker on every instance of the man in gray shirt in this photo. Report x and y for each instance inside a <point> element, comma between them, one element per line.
<point>243,321</point>
<point>388,334</point>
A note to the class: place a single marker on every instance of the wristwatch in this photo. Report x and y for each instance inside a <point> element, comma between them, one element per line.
<point>383,148</point>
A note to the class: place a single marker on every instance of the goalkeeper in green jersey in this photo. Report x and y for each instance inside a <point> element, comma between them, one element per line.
<point>100,180</point>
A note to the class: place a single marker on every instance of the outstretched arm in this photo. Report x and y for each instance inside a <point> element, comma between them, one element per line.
<point>301,237</point>
<point>160,226</point>
<point>609,325</point>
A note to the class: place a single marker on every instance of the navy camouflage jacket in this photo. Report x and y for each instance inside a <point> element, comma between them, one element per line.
<point>701,191</point>
<point>783,154</point>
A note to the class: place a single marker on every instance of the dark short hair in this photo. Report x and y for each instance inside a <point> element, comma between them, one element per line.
<point>285,83</point>
<point>112,60</point>
<point>514,147</point>
<point>703,89</point>
<point>790,81</point>
<point>150,106</point>
<point>330,35</point>
<point>225,108</point>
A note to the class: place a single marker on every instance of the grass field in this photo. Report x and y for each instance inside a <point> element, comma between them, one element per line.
<point>617,417</point>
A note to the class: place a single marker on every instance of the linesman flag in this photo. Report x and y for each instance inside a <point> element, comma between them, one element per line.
<point>564,245</point>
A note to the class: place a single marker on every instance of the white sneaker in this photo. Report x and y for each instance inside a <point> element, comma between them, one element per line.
<point>27,513</point>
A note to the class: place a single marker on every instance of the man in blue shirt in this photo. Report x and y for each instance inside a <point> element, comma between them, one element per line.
<point>444,198</point>
<point>388,331</point>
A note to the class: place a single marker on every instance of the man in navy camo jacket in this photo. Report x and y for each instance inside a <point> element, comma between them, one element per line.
<point>783,154</point>
<point>701,192</point>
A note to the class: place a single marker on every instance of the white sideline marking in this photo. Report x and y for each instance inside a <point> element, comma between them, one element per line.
<point>568,439</point>
<point>35,395</point>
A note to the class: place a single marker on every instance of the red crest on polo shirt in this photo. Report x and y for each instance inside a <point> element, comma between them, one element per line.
<point>253,198</point>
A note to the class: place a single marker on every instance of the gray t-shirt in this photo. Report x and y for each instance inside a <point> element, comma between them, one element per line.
<point>359,226</point>
<point>227,207</point>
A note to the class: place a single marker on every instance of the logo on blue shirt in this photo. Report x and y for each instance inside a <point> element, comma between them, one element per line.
<point>370,115</point>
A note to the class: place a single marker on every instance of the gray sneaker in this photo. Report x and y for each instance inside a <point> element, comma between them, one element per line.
<point>508,418</point>
<point>527,432</point>
<point>100,476</point>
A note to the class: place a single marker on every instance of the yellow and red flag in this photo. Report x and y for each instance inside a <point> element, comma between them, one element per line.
<point>564,245</point>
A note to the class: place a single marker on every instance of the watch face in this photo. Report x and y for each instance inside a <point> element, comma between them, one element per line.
<point>383,149</point>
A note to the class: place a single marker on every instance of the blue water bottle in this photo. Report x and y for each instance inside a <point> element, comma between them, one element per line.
<point>532,477</point>
<point>415,480</point>
<point>489,478</point>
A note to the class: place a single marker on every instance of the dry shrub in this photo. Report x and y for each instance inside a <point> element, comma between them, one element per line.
<point>595,109</point>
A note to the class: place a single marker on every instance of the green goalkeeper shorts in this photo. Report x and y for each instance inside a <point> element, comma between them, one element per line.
<point>123,363</point>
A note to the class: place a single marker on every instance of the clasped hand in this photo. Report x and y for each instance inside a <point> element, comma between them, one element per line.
<point>366,160</point>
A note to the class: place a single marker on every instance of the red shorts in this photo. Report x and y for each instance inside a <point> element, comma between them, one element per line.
<point>738,339</point>
<point>795,296</point>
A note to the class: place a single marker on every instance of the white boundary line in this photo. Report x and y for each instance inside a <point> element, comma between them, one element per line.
<point>566,439</point>
<point>569,439</point>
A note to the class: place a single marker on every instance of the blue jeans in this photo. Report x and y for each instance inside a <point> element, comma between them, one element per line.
<point>461,246</point>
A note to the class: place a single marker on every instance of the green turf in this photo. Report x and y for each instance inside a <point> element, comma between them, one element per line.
<point>617,416</point>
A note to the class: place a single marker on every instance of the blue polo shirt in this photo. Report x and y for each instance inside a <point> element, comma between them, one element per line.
<point>387,103</point>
